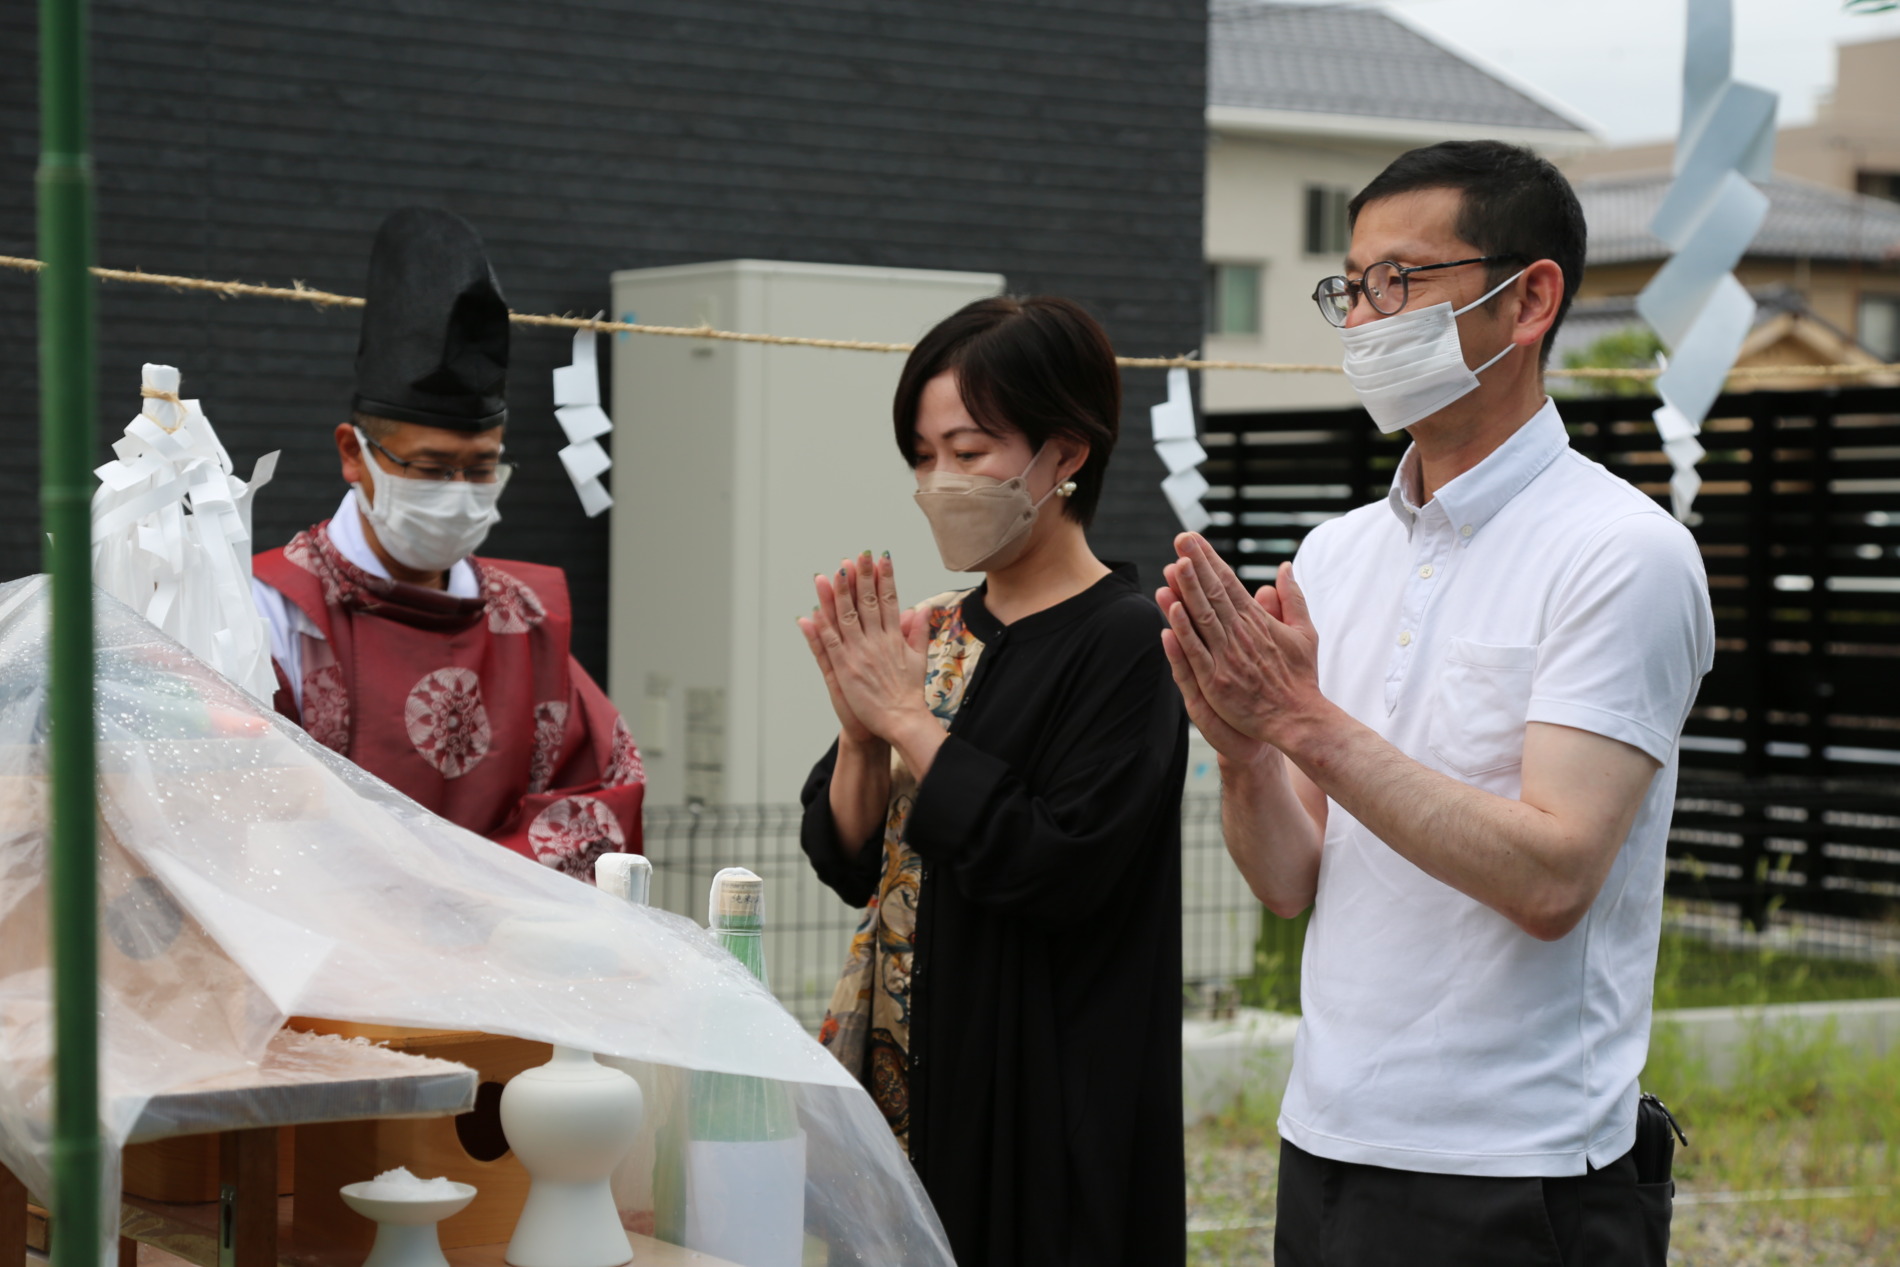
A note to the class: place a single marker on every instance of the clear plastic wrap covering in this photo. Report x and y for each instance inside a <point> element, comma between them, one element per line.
<point>248,874</point>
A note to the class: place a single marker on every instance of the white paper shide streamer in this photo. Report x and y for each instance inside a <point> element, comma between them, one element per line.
<point>1181,452</point>
<point>1709,216</point>
<point>171,534</point>
<point>577,408</point>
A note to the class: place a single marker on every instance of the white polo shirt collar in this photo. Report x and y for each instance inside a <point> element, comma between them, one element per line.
<point>1468,502</point>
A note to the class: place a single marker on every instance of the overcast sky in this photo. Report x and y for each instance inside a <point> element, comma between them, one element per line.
<point>1619,62</point>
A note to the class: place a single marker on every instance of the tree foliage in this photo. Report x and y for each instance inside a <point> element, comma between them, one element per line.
<point>1632,347</point>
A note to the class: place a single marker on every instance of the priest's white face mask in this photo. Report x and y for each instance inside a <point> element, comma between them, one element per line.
<point>427,524</point>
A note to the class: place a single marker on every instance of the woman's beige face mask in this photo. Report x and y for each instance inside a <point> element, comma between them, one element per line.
<point>980,523</point>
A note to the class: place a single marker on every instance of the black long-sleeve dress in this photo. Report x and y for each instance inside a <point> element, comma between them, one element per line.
<point>1044,994</point>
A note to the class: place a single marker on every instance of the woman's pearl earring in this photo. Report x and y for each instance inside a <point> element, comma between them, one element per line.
<point>1066,489</point>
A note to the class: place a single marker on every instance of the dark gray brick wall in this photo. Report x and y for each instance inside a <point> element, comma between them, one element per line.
<point>1060,144</point>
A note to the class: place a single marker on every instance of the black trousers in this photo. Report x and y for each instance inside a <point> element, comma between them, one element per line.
<point>1339,1214</point>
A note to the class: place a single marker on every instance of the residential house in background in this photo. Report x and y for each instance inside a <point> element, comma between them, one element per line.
<point>1825,269</point>
<point>1828,256</point>
<point>1305,105</point>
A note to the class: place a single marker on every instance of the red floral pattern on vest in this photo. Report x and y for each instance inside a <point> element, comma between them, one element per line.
<point>424,689</point>
<point>447,722</point>
<point>572,832</point>
<point>550,723</point>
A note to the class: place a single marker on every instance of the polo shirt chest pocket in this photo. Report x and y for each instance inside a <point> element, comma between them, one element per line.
<point>1479,707</point>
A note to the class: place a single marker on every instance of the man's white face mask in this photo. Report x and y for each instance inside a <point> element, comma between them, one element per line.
<point>1410,365</point>
<point>428,525</point>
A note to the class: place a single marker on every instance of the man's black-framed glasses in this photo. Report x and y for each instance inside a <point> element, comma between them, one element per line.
<point>1385,285</point>
<point>479,473</point>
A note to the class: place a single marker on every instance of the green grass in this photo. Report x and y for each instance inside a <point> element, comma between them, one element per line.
<point>1803,1111</point>
<point>1231,1160</point>
<point>1692,973</point>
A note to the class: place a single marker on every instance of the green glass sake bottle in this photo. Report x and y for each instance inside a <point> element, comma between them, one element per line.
<point>727,1107</point>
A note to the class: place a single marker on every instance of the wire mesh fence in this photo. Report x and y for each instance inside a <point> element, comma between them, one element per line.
<point>1716,950</point>
<point>808,927</point>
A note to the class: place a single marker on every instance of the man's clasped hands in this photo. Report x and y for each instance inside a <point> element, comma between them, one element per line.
<point>1247,665</point>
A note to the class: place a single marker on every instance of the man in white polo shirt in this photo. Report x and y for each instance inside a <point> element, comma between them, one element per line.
<point>1452,728</point>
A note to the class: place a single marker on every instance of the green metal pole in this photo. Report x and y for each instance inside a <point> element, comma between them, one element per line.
<point>66,424</point>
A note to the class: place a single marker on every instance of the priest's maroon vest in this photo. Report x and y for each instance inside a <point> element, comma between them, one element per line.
<point>473,707</point>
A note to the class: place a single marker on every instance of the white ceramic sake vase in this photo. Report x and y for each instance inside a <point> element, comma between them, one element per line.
<point>570,1122</point>
<point>405,1227</point>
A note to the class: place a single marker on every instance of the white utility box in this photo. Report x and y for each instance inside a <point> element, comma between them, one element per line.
<point>740,469</point>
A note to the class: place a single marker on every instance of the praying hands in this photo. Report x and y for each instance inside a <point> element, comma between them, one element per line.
<point>1247,665</point>
<point>871,653</point>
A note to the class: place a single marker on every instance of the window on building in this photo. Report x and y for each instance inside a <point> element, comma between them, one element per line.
<point>1233,298</point>
<point>1878,184</point>
<point>1326,219</point>
<point>1879,326</point>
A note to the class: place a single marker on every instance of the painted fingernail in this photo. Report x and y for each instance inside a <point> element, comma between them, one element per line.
<point>887,554</point>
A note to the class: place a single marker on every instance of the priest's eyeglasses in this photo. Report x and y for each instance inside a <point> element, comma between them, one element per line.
<point>479,473</point>
<point>1385,285</point>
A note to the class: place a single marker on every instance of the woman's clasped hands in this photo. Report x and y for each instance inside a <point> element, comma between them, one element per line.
<point>871,652</point>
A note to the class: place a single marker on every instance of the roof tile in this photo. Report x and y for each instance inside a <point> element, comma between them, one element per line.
<point>1350,59</point>
<point>1804,221</point>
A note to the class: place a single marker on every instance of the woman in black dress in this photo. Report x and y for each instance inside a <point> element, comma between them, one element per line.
<point>1004,799</point>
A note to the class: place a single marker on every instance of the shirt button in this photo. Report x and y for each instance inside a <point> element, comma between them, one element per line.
<point>1405,639</point>
<point>1426,572</point>
<point>1465,531</point>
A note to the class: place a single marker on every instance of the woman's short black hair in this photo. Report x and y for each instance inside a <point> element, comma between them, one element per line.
<point>1040,366</point>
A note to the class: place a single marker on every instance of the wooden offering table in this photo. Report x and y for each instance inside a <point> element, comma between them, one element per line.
<point>303,1079</point>
<point>190,1233</point>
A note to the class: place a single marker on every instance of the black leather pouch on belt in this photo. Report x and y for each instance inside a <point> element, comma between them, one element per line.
<point>1656,1136</point>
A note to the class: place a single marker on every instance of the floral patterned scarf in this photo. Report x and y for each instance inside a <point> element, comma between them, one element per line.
<point>867,1026</point>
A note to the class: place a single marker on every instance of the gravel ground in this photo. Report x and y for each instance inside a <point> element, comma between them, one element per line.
<point>1771,1235</point>
<point>1230,1219</point>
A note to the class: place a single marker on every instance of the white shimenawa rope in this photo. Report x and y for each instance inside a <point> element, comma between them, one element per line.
<point>300,293</point>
